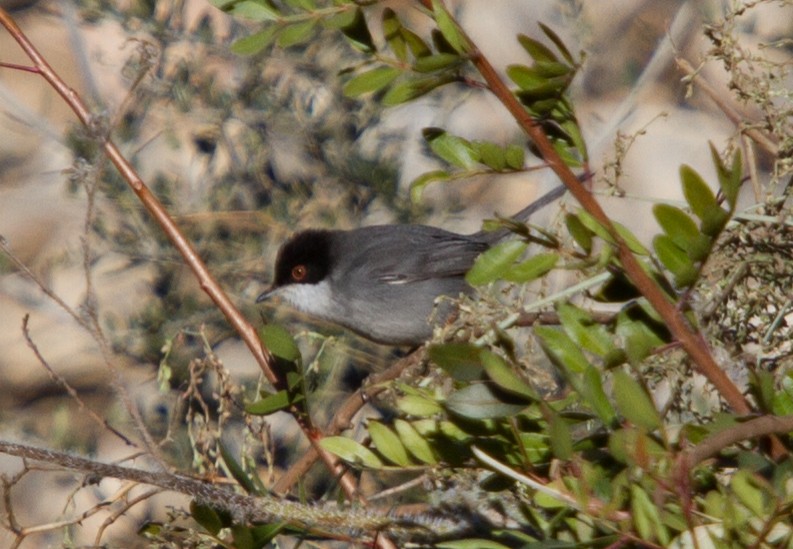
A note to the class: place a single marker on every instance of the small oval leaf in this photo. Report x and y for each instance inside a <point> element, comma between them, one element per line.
<point>493,263</point>
<point>279,342</point>
<point>459,360</point>
<point>532,269</point>
<point>416,444</point>
<point>479,401</point>
<point>370,81</point>
<point>387,443</point>
<point>351,451</point>
<point>505,377</point>
<point>634,403</point>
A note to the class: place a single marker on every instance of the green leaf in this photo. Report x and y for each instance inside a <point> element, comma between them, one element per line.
<point>459,360</point>
<point>516,157</point>
<point>249,483</point>
<point>353,24</point>
<point>413,88</point>
<point>634,403</point>
<point>305,5</point>
<point>242,536</point>
<point>418,406</point>
<point>552,70</point>
<point>579,232</point>
<point>387,443</point>
<point>639,339</point>
<point>453,149</point>
<point>732,185</point>
<point>448,27</point>
<point>536,50</point>
<point>255,43</point>
<point>729,179</point>
<point>558,43</point>
<point>206,516</point>
<point>591,388</point>
<point>418,47</point>
<point>697,193</point>
<point>256,11</point>
<point>351,451</point>
<point>593,225</point>
<point>438,61</point>
<point>392,28</point>
<point>560,438</point>
<point>416,444</point>
<point>683,231</point>
<point>676,223</point>
<point>748,489</point>
<point>703,202</point>
<point>418,184</point>
<point>542,94</point>
<point>646,517</point>
<point>505,377</point>
<point>495,262</point>
<point>297,33</point>
<point>630,239</point>
<point>279,342</point>
<point>632,446</point>
<point>370,81</point>
<point>534,446</point>
<point>479,401</point>
<point>269,404</point>
<point>525,77</point>
<point>533,268</point>
<point>561,350</point>
<point>584,331</point>
<point>491,155</point>
<point>782,401</point>
<point>264,533</point>
<point>676,260</point>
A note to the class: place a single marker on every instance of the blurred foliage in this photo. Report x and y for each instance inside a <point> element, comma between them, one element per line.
<point>599,460</point>
<point>259,135</point>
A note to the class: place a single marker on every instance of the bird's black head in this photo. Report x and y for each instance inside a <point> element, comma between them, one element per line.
<point>304,259</point>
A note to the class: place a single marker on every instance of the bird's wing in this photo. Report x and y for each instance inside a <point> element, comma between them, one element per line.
<point>410,253</point>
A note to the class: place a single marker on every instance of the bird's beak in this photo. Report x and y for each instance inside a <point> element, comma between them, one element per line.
<point>267,294</point>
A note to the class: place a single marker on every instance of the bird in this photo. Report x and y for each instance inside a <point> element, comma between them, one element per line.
<point>382,281</point>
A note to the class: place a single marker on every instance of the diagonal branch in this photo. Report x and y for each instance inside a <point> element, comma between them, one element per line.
<point>690,338</point>
<point>185,248</point>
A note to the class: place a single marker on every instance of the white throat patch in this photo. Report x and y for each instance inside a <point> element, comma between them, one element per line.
<point>314,299</point>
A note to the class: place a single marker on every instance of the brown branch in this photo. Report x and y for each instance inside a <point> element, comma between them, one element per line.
<point>185,248</point>
<point>376,384</point>
<point>691,340</point>
<point>328,520</point>
<point>152,204</point>
<point>735,117</point>
<point>746,430</point>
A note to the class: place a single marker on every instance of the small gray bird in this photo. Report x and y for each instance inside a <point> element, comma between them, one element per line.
<point>382,281</point>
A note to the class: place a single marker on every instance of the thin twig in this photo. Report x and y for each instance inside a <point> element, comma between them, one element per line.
<point>189,254</point>
<point>747,430</point>
<point>341,420</point>
<point>57,378</point>
<point>735,117</point>
<point>331,520</point>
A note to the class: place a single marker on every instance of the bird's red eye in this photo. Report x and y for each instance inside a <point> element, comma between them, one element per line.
<point>299,272</point>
